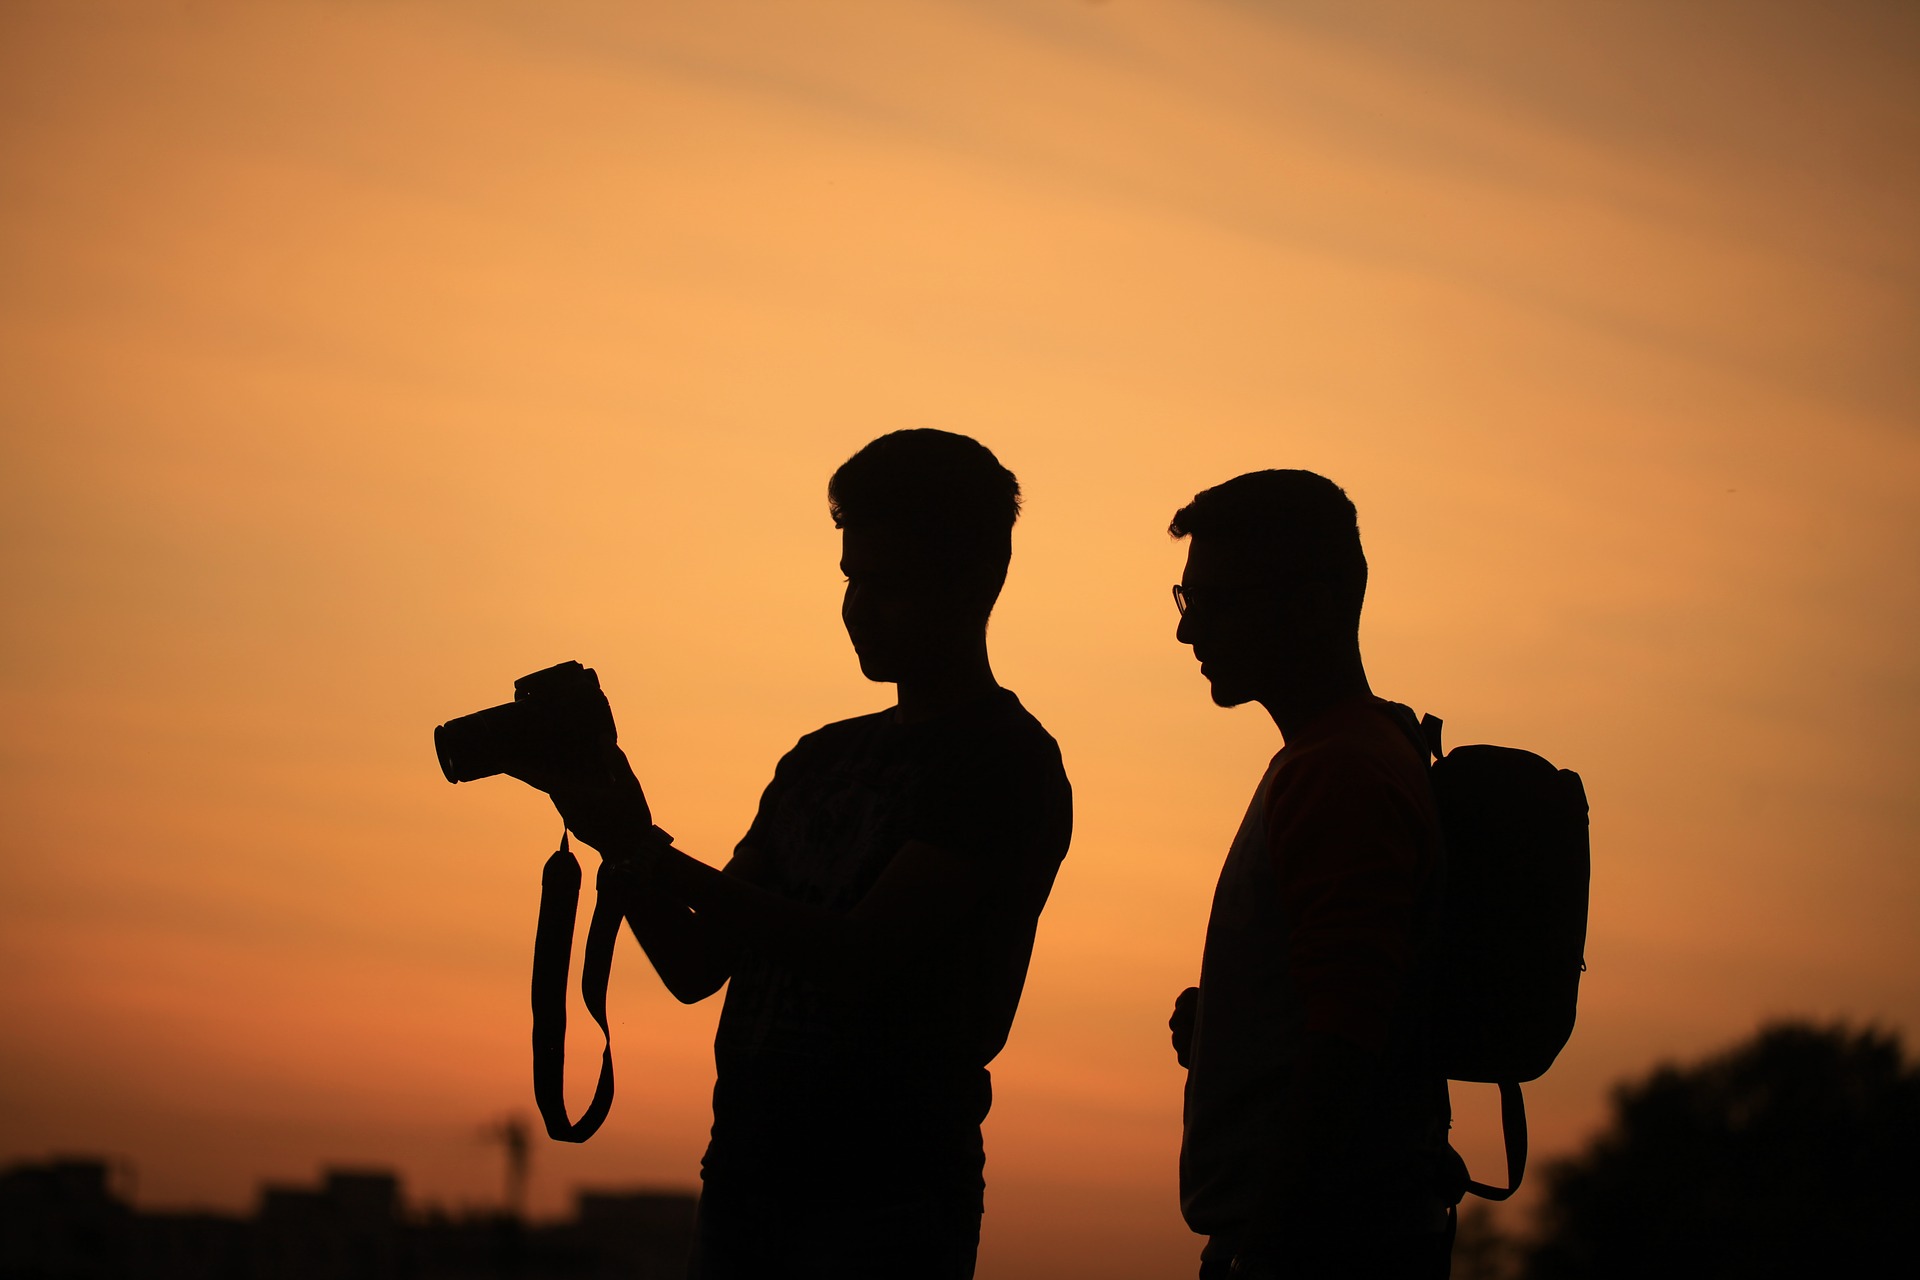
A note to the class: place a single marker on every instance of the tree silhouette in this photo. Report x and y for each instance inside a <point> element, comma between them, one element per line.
<point>1794,1154</point>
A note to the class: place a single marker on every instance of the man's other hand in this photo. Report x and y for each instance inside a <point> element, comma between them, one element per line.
<point>1185,1006</point>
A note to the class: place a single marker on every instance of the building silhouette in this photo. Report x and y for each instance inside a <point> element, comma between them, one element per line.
<point>65,1219</point>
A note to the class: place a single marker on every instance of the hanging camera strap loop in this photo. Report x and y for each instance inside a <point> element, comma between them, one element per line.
<point>552,954</point>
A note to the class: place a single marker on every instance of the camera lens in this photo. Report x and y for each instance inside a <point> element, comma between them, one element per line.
<point>480,745</point>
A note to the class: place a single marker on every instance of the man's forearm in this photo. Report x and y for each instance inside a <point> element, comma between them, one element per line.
<point>693,958</point>
<point>691,918</point>
<point>746,913</point>
<point>699,916</point>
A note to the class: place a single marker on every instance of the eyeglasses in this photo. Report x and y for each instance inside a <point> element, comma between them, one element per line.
<point>1183,596</point>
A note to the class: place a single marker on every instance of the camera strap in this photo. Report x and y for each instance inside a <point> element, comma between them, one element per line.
<point>552,954</point>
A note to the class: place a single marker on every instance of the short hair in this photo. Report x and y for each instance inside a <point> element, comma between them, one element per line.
<point>1300,523</point>
<point>944,491</point>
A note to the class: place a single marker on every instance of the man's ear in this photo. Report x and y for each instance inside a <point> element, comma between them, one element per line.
<point>1329,614</point>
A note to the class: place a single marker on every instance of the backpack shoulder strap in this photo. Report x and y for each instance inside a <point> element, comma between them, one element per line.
<point>1513,1128</point>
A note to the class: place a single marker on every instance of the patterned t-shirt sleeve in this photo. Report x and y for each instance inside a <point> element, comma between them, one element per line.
<point>755,853</point>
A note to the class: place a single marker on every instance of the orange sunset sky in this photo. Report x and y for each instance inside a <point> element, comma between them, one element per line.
<point>357,357</point>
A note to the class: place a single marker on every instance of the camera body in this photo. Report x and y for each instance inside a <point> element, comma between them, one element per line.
<point>555,727</point>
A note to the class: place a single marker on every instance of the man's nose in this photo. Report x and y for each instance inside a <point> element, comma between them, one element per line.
<point>1184,631</point>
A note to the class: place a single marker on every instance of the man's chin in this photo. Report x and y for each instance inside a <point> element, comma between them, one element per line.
<point>876,670</point>
<point>1225,695</point>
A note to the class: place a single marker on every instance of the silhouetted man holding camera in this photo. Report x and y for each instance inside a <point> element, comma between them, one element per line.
<point>877,920</point>
<point>1315,1125</point>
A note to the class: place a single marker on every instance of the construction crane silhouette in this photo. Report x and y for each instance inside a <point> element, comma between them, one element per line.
<point>512,1133</point>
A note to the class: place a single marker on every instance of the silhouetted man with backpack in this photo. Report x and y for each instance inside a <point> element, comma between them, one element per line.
<point>876,922</point>
<point>1316,1124</point>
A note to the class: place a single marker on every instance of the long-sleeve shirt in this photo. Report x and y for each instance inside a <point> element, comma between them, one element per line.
<point>1323,923</point>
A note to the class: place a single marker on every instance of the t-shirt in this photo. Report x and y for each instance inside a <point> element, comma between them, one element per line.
<point>828,1078</point>
<point>1324,921</point>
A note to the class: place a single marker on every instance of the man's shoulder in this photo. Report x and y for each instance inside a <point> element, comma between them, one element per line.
<point>1006,740</point>
<point>839,739</point>
<point>996,786</point>
<point>1363,773</point>
<point>1368,729</point>
<point>1367,742</point>
<point>998,731</point>
<point>1010,720</point>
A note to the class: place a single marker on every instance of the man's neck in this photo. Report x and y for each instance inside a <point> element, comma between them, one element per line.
<point>1300,705</point>
<point>946,687</point>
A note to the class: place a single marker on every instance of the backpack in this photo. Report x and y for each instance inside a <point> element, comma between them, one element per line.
<point>1513,925</point>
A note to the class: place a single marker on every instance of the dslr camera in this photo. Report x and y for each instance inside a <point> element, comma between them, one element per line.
<point>555,727</point>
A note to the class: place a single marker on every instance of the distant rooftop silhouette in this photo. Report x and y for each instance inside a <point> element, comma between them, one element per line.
<point>66,1217</point>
